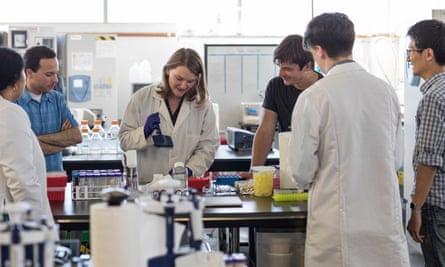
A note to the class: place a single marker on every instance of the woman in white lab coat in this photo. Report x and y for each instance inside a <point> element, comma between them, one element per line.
<point>22,164</point>
<point>180,107</point>
<point>346,147</point>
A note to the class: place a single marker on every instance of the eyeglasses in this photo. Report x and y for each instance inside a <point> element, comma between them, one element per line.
<point>408,51</point>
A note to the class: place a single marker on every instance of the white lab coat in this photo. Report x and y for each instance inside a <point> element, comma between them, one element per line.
<point>22,164</point>
<point>195,136</point>
<point>346,146</point>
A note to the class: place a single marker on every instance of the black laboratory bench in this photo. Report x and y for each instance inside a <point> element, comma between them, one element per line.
<point>225,160</point>
<point>254,212</point>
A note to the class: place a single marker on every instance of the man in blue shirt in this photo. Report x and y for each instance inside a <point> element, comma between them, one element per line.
<point>51,119</point>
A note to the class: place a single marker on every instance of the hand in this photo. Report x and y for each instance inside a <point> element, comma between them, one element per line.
<point>189,172</point>
<point>151,124</point>
<point>66,125</point>
<point>414,226</point>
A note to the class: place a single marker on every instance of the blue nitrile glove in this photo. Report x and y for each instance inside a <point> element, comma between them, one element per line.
<point>151,124</point>
<point>189,172</point>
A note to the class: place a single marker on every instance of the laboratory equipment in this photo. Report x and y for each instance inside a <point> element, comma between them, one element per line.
<point>25,242</point>
<point>113,137</point>
<point>84,114</point>
<point>96,142</point>
<point>98,125</point>
<point>180,173</point>
<point>130,171</point>
<point>84,146</point>
<point>192,205</point>
<point>88,184</point>
<point>239,139</point>
<point>79,88</point>
<point>144,232</point>
<point>282,247</point>
<point>161,140</point>
<point>263,180</point>
<point>251,112</point>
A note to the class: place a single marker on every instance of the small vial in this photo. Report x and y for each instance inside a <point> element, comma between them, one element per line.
<point>180,174</point>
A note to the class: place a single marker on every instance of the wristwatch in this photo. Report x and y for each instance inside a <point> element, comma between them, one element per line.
<point>414,206</point>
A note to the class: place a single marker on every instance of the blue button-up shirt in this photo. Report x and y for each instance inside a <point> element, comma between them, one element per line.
<point>430,135</point>
<point>47,117</point>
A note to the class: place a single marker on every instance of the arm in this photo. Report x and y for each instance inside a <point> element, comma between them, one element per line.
<point>263,139</point>
<point>19,169</point>
<point>304,141</point>
<point>429,150</point>
<point>399,144</point>
<point>204,153</point>
<point>131,133</point>
<point>55,142</point>
<point>424,181</point>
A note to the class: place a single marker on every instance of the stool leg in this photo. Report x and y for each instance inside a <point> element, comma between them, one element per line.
<point>234,246</point>
<point>252,247</point>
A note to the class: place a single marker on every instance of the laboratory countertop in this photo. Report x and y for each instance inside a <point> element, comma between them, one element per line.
<point>254,212</point>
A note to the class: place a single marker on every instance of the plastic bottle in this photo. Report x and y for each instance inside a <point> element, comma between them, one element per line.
<point>95,146</point>
<point>98,125</point>
<point>180,173</point>
<point>113,138</point>
<point>83,147</point>
<point>84,125</point>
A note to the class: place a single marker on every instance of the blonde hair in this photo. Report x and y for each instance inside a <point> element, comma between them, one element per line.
<point>190,59</point>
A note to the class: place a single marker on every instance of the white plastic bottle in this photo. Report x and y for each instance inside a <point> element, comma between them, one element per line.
<point>95,146</point>
<point>113,138</point>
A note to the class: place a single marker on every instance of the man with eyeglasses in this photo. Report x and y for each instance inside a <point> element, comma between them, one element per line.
<point>426,54</point>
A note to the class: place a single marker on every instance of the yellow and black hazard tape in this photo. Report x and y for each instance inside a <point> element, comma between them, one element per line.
<point>105,38</point>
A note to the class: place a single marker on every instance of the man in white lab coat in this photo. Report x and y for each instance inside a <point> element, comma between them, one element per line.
<point>345,145</point>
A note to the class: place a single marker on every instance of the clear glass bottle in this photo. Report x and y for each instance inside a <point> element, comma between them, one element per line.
<point>113,137</point>
<point>98,125</point>
<point>84,125</point>
<point>83,147</point>
<point>180,174</point>
<point>95,146</point>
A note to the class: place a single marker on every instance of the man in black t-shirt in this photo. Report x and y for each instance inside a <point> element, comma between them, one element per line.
<point>296,74</point>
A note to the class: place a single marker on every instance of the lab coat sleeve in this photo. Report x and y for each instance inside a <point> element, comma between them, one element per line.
<point>131,134</point>
<point>399,144</point>
<point>17,163</point>
<point>303,159</point>
<point>208,143</point>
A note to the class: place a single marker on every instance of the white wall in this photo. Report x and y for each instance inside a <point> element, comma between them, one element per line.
<point>133,50</point>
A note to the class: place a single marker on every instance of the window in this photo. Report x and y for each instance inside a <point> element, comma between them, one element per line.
<point>52,11</point>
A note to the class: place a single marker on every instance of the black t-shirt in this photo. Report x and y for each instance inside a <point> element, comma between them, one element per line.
<point>281,99</point>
